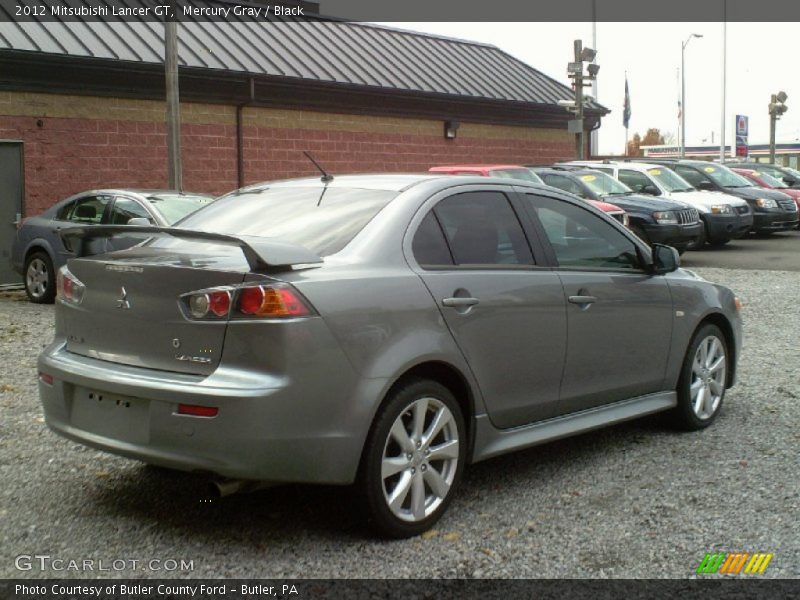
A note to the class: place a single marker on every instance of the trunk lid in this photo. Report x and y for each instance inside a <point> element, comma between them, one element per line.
<point>130,312</point>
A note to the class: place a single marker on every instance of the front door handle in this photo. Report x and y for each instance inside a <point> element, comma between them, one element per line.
<point>460,302</point>
<point>583,300</point>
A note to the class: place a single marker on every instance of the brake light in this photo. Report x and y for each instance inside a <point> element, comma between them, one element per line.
<point>46,378</point>
<point>69,288</point>
<point>266,301</point>
<point>275,300</point>
<point>194,410</point>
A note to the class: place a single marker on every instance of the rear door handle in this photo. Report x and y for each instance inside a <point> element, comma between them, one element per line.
<point>460,302</point>
<point>584,300</point>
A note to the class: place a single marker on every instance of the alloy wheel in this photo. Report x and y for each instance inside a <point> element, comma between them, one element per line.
<point>36,278</point>
<point>708,377</point>
<point>420,459</point>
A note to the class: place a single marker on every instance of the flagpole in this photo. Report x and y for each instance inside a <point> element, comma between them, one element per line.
<point>625,151</point>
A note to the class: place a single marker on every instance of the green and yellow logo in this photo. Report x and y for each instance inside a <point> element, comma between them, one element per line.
<point>735,563</point>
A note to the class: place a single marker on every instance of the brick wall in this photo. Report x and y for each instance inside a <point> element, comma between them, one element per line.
<point>73,143</point>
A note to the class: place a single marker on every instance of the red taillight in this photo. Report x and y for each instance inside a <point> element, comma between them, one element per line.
<point>269,302</point>
<point>69,288</point>
<point>250,300</point>
<point>193,410</point>
<point>45,378</point>
<point>277,300</point>
<point>219,303</point>
<point>212,303</point>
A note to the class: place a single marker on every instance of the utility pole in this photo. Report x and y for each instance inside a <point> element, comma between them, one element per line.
<point>579,151</point>
<point>173,105</point>
<point>575,72</point>
<point>776,109</point>
<point>594,144</point>
<point>724,80</point>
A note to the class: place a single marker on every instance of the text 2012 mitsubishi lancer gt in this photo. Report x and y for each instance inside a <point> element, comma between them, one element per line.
<point>382,330</point>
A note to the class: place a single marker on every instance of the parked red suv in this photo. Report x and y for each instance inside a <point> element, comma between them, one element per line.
<point>524,173</point>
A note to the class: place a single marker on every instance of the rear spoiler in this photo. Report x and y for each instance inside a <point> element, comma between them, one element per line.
<point>262,254</point>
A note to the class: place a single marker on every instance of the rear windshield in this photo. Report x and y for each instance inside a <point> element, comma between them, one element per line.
<point>323,222</point>
<point>174,207</point>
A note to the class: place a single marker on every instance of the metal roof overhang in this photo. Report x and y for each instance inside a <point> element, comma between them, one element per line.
<point>38,72</point>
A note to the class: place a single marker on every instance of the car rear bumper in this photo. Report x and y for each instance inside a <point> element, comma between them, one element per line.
<point>727,227</point>
<point>777,221</point>
<point>263,431</point>
<point>678,236</point>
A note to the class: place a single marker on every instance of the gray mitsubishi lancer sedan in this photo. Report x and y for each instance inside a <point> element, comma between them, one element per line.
<point>378,330</point>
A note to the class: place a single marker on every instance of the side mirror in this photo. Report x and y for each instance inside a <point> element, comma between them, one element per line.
<point>140,221</point>
<point>665,259</point>
<point>790,181</point>
<point>651,190</point>
<point>705,186</point>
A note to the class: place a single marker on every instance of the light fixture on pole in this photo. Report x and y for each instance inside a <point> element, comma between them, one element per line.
<point>683,91</point>
<point>777,107</point>
<point>579,81</point>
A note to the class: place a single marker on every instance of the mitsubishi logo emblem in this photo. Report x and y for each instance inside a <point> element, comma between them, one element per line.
<point>122,301</point>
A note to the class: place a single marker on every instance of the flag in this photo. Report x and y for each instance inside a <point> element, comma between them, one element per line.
<point>626,109</point>
<point>680,112</point>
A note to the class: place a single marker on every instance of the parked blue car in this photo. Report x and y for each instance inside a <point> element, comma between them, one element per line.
<point>38,251</point>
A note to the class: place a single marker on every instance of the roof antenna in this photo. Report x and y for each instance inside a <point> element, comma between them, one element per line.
<point>326,179</point>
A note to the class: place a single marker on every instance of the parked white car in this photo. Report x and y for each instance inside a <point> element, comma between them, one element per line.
<point>725,217</point>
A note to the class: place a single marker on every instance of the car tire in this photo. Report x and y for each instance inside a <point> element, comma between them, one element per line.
<point>40,278</point>
<point>703,379</point>
<point>404,489</point>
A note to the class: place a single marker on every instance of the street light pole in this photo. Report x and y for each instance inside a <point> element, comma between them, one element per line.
<point>683,91</point>
<point>579,100</point>
<point>776,109</point>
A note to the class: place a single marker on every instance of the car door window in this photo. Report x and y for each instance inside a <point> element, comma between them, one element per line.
<point>88,209</point>
<point>634,179</point>
<point>581,239</point>
<point>690,175</point>
<point>563,183</point>
<point>429,246</point>
<point>481,228</point>
<point>125,209</point>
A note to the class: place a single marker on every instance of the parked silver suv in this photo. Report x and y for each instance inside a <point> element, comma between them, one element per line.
<point>384,330</point>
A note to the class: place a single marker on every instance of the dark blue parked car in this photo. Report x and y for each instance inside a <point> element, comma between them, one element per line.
<point>38,251</point>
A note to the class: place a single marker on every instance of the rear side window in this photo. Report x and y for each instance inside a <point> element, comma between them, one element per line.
<point>482,228</point>
<point>322,220</point>
<point>88,209</point>
<point>429,246</point>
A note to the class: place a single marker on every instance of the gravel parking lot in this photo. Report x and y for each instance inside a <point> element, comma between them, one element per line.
<point>636,500</point>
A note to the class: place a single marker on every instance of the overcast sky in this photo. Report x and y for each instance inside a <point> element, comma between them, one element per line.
<point>762,60</point>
